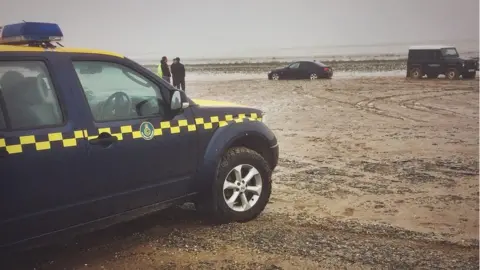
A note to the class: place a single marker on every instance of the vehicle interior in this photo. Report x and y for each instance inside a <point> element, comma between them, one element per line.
<point>110,102</point>
<point>449,52</point>
<point>30,101</point>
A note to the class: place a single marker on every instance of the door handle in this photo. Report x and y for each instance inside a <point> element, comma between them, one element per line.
<point>103,139</point>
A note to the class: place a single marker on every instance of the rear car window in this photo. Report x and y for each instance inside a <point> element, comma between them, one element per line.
<point>30,100</point>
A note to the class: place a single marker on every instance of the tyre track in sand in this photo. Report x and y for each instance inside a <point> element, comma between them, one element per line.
<point>414,105</point>
<point>368,104</point>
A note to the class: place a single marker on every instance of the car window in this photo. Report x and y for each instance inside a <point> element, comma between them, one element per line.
<point>294,65</point>
<point>116,92</point>
<point>29,96</point>
<point>449,52</point>
<point>305,65</point>
<point>422,55</point>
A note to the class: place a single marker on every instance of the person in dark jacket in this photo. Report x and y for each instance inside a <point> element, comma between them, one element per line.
<point>165,71</point>
<point>178,74</point>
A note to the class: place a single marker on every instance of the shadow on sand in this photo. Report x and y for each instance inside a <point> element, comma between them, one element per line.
<point>106,241</point>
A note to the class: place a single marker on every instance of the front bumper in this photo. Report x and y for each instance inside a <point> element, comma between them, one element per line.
<point>470,66</point>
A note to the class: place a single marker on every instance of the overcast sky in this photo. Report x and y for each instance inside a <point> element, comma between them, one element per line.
<point>210,28</point>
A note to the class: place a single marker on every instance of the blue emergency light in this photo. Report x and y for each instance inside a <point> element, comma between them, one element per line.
<point>30,32</point>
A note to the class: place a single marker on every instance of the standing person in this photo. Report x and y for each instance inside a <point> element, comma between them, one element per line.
<point>163,71</point>
<point>178,74</point>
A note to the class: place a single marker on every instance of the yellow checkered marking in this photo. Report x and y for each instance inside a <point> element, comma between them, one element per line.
<point>41,145</point>
<point>183,125</point>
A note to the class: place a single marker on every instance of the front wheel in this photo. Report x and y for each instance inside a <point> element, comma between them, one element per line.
<point>275,77</point>
<point>241,189</point>
<point>313,76</point>
<point>452,74</point>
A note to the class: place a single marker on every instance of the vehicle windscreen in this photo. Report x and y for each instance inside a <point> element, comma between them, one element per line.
<point>449,52</point>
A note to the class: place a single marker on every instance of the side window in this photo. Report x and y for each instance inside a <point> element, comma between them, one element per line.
<point>305,66</point>
<point>430,55</point>
<point>116,92</point>
<point>29,96</point>
<point>415,55</point>
<point>294,65</point>
<point>422,55</point>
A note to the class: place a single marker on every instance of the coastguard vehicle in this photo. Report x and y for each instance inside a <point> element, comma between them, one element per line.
<point>89,138</point>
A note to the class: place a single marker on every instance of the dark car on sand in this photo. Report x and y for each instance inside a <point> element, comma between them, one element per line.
<point>433,60</point>
<point>301,70</point>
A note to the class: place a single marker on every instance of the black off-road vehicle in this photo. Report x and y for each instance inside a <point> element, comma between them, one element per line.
<point>435,60</point>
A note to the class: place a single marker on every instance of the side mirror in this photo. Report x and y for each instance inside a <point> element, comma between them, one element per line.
<point>177,103</point>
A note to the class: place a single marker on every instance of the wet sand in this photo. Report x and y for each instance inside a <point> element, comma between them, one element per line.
<point>374,172</point>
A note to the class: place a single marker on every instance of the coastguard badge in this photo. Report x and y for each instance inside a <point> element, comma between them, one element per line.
<point>147,130</point>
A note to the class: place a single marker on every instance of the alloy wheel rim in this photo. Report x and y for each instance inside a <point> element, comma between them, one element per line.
<point>242,188</point>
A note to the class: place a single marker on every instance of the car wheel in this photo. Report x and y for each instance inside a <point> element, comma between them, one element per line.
<point>275,77</point>
<point>452,74</point>
<point>313,76</point>
<point>469,75</point>
<point>416,73</point>
<point>241,189</point>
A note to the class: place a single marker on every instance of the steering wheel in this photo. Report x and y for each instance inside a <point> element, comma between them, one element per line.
<point>118,105</point>
<point>150,106</point>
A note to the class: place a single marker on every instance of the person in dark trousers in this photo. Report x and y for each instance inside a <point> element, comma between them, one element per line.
<point>163,70</point>
<point>178,74</point>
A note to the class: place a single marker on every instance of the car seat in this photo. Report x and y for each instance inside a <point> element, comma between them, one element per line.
<point>27,107</point>
<point>38,108</point>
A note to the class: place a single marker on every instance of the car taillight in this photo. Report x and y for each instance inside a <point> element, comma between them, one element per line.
<point>326,69</point>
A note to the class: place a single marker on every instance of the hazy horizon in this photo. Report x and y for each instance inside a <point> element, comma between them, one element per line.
<point>220,28</point>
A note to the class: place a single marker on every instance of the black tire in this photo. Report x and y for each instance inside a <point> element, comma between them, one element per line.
<point>469,75</point>
<point>214,205</point>
<point>452,74</point>
<point>416,73</point>
<point>432,76</point>
<point>275,76</point>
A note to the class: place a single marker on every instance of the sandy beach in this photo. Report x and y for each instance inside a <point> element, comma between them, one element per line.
<point>375,171</point>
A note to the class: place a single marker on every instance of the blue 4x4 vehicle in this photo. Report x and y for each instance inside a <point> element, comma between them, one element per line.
<point>89,138</point>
